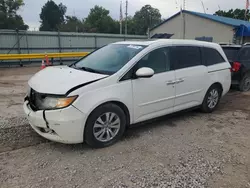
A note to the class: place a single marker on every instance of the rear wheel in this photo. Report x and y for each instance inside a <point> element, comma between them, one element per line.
<point>211,99</point>
<point>245,83</point>
<point>105,126</point>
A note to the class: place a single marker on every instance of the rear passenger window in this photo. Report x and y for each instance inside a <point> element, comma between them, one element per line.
<point>185,56</point>
<point>212,56</point>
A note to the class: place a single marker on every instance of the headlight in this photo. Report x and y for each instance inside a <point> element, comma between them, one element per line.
<point>54,102</point>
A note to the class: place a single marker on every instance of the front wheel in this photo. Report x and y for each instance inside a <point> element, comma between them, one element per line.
<point>211,99</point>
<point>105,126</point>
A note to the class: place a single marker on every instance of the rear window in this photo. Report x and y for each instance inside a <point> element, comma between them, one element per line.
<point>231,53</point>
<point>212,56</point>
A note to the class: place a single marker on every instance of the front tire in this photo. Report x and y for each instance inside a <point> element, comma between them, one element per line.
<point>105,126</point>
<point>212,99</point>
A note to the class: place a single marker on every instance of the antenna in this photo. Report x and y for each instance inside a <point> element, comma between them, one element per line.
<point>203,6</point>
<point>126,21</point>
<point>219,7</point>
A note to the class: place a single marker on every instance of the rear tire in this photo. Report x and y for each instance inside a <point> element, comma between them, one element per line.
<point>245,83</point>
<point>105,126</point>
<point>212,99</point>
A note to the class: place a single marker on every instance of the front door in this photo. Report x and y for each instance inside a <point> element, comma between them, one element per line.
<point>154,96</point>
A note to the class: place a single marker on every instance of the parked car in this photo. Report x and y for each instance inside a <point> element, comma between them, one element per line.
<point>96,98</point>
<point>239,57</point>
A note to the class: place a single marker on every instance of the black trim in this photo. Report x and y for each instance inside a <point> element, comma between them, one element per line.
<point>82,85</point>
<point>218,70</point>
<point>47,123</point>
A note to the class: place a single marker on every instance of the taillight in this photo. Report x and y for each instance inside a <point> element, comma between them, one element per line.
<point>235,67</point>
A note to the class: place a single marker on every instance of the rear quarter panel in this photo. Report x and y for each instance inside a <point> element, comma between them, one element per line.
<point>220,73</point>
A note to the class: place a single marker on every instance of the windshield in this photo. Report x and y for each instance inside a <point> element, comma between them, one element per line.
<point>109,59</point>
<point>231,53</point>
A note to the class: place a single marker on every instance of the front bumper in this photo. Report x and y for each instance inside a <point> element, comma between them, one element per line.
<point>64,125</point>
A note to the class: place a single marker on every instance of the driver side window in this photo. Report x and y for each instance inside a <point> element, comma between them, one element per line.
<point>158,60</point>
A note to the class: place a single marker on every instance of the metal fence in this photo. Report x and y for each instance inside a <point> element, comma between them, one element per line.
<point>28,42</point>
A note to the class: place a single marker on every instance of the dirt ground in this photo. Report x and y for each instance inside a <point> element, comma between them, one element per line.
<point>189,149</point>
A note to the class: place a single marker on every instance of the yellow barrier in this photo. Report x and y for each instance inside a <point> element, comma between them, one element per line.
<point>41,56</point>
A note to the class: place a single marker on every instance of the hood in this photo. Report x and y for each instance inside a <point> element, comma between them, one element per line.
<point>59,80</point>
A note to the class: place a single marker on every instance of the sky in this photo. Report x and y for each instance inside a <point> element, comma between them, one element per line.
<point>80,8</point>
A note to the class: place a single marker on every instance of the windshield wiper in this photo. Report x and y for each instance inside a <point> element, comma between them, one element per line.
<point>89,70</point>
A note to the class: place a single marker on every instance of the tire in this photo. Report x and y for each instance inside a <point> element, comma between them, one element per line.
<point>213,93</point>
<point>99,132</point>
<point>245,83</point>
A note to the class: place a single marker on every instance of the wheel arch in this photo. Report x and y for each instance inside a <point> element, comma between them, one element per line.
<point>217,84</point>
<point>121,105</point>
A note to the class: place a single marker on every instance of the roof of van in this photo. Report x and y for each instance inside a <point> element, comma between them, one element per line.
<point>170,41</point>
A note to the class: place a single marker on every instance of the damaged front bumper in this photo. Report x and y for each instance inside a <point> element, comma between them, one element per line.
<point>64,125</point>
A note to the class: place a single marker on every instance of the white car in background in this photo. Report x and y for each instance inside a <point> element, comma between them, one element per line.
<point>124,83</point>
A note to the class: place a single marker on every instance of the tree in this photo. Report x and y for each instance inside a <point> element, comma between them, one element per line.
<point>236,14</point>
<point>146,18</point>
<point>52,16</point>
<point>9,19</point>
<point>73,24</point>
<point>99,21</point>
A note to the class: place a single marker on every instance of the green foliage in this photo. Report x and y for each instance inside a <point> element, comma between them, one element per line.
<point>52,16</point>
<point>99,21</point>
<point>9,19</point>
<point>234,13</point>
<point>73,24</point>
<point>146,18</point>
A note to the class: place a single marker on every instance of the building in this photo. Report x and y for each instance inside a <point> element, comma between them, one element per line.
<point>200,26</point>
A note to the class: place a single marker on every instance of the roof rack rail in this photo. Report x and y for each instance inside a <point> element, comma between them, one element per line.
<point>247,43</point>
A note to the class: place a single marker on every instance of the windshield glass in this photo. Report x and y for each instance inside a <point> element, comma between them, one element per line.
<point>109,59</point>
<point>231,53</point>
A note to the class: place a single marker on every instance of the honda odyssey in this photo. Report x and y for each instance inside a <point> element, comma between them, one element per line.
<point>96,98</point>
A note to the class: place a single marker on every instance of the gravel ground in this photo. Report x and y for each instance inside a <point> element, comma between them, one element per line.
<point>189,149</point>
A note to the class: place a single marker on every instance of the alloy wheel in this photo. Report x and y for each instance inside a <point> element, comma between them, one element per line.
<point>106,126</point>
<point>213,98</point>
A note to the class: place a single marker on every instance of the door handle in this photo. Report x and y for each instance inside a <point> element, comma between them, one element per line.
<point>179,81</point>
<point>171,82</point>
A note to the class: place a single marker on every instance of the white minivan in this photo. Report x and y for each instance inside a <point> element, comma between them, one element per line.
<point>96,98</point>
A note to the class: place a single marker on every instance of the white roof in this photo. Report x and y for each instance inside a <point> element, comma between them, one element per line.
<point>171,42</point>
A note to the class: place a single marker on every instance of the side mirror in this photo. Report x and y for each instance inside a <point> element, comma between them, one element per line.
<point>144,72</point>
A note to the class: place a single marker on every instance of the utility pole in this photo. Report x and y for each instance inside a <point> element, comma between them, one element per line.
<point>126,21</point>
<point>121,18</point>
<point>184,20</point>
<point>184,4</point>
